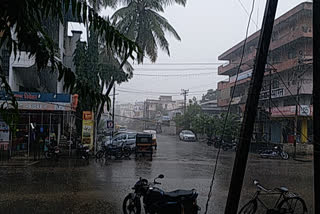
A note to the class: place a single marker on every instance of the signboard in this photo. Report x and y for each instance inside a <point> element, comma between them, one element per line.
<point>40,97</point>
<point>290,111</point>
<point>22,105</point>
<point>87,115</point>
<point>305,110</point>
<point>110,124</point>
<point>275,93</point>
<point>87,128</point>
<point>241,76</point>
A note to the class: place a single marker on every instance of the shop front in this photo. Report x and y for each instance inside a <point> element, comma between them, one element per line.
<point>43,118</point>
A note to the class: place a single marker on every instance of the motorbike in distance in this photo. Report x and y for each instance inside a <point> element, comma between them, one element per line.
<point>118,151</point>
<point>52,152</point>
<point>83,152</point>
<point>276,151</point>
<point>156,201</point>
<point>229,145</point>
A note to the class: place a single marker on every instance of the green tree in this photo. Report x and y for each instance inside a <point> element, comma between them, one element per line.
<point>140,21</point>
<point>21,27</point>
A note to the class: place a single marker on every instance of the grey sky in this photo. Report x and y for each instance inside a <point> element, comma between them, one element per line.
<point>207,28</point>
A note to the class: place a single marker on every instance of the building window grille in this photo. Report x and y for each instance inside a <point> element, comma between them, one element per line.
<point>275,83</point>
<point>5,58</point>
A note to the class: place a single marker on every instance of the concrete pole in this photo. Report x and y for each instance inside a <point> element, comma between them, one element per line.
<point>240,163</point>
<point>316,104</point>
<point>29,133</point>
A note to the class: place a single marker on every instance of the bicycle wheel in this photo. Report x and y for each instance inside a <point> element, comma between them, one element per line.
<point>99,154</point>
<point>293,205</point>
<point>249,208</point>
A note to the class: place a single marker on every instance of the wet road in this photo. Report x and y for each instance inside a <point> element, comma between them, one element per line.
<point>71,186</point>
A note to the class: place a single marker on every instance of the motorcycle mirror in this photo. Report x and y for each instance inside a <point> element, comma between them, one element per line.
<point>161,176</point>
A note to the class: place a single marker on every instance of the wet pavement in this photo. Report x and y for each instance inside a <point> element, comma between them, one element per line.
<point>72,186</point>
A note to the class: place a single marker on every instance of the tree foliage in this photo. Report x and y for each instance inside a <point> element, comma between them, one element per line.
<point>21,28</point>
<point>209,125</point>
<point>140,21</point>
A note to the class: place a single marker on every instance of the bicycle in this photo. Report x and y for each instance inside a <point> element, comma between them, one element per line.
<point>287,202</point>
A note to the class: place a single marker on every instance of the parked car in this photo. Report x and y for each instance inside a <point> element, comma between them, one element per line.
<point>187,135</point>
<point>127,138</point>
<point>154,137</point>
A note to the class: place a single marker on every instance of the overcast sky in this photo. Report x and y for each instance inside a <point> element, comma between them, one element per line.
<point>207,28</point>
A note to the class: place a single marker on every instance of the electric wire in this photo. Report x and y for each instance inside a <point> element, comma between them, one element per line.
<point>228,111</point>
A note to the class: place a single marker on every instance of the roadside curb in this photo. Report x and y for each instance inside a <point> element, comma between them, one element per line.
<point>18,164</point>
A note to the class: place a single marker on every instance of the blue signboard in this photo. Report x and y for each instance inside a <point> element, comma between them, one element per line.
<point>39,97</point>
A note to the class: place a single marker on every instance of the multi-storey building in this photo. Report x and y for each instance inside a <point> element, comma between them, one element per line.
<point>41,98</point>
<point>288,75</point>
<point>162,109</point>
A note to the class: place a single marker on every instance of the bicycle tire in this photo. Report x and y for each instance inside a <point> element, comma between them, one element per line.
<point>99,154</point>
<point>249,208</point>
<point>289,206</point>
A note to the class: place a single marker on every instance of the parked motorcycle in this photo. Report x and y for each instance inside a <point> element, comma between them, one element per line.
<point>118,151</point>
<point>209,141</point>
<point>229,146</point>
<point>83,152</point>
<point>52,153</point>
<point>276,151</point>
<point>156,201</point>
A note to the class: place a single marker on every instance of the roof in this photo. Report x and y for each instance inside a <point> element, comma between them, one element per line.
<point>292,12</point>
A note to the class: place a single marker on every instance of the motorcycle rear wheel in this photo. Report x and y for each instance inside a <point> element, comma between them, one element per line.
<point>48,155</point>
<point>131,205</point>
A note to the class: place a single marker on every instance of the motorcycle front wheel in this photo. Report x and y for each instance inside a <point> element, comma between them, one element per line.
<point>131,205</point>
<point>48,155</point>
<point>284,155</point>
<point>126,152</point>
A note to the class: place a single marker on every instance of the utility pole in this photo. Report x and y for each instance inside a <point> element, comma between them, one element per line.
<point>270,97</point>
<point>296,118</point>
<point>316,104</point>
<point>185,94</point>
<point>240,162</point>
<point>113,106</point>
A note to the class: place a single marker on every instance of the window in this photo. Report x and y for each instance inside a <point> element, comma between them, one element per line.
<point>275,83</point>
<point>5,57</point>
<point>132,136</point>
<point>292,54</point>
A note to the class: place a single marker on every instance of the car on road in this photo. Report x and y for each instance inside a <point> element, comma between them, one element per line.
<point>154,137</point>
<point>187,135</point>
<point>127,138</point>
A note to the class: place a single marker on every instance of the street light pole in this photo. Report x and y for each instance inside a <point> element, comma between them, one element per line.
<point>113,106</point>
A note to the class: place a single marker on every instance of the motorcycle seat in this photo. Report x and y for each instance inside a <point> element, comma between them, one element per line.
<point>180,194</point>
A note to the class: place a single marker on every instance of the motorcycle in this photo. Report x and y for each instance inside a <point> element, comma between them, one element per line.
<point>209,141</point>
<point>118,151</point>
<point>276,151</point>
<point>52,153</point>
<point>229,145</point>
<point>83,152</point>
<point>156,201</point>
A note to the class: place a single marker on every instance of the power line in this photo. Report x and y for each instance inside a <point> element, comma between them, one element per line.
<point>174,75</point>
<point>176,69</point>
<point>229,107</point>
<point>183,63</point>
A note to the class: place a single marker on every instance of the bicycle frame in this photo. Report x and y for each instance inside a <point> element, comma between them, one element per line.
<point>258,193</point>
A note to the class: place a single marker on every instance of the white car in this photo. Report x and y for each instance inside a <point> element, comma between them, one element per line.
<point>187,135</point>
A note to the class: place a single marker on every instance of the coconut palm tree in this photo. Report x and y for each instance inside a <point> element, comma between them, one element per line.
<point>140,21</point>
